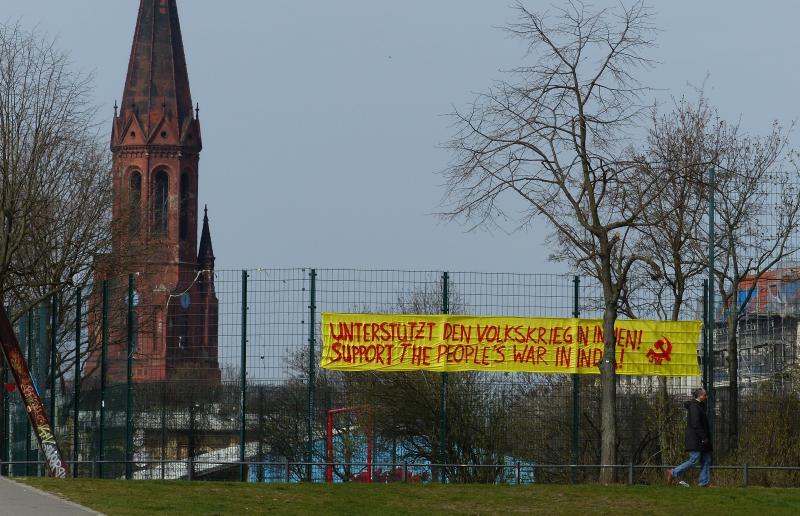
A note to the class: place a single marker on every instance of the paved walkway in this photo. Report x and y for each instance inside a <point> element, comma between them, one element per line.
<point>21,500</point>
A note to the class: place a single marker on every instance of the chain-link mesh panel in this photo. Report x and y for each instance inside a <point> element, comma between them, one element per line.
<point>251,340</point>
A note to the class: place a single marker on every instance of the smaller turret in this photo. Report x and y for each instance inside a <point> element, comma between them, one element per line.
<point>205,255</point>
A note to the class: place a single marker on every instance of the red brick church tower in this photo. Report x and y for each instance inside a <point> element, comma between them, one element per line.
<point>156,143</point>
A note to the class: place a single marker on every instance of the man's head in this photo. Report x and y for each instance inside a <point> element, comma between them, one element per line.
<point>700,394</point>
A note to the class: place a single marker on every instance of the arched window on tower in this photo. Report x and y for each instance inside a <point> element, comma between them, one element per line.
<point>135,204</point>
<point>184,208</point>
<point>160,204</point>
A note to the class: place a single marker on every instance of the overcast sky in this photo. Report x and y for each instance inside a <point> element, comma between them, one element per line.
<point>322,119</point>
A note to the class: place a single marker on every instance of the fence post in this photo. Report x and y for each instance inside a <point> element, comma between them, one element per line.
<point>711,317</point>
<point>129,378</point>
<point>404,473</point>
<point>443,401</point>
<point>5,437</point>
<point>312,307</point>
<point>163,428</point>
<point>16,469</point>
<point>28,429</point>
<point>519,473</point>
<point>746,474</point>
<point>103,374</point>
<point>243,381</point>
<point>42,377</point>
<point>53,339</point>
<point>260,447</point>
<point>630,474</point>
<point>329,448</point>
<point>76,384</point>
<point>706,330</point>
<point>576,389</point>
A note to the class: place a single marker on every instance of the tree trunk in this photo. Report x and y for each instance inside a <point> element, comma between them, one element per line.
<point>608,405</point>
<point>663,417</point>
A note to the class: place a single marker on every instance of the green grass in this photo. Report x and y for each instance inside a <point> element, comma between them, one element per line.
<point>119,497</point>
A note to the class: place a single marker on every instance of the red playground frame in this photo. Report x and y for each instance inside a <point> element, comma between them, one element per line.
<point>329,443</point>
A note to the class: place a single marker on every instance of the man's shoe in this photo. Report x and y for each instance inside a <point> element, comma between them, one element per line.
<point>683,484</point>
<point>706,485</point>
<point>669,476</point>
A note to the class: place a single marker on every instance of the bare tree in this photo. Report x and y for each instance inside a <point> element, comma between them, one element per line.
<point>680,145</point>
<point>757,219</point>
<point>552,143</point>
<point>55,193</point>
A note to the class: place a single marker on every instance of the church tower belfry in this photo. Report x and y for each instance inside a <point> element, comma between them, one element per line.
<point>156,143</point>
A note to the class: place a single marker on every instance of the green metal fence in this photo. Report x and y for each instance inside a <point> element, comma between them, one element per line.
<point>265,413</point>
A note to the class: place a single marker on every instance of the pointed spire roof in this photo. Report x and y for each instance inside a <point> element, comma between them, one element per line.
<point>157,84</point>
<point>205,256</point>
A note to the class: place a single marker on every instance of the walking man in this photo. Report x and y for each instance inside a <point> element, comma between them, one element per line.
<point>697,440</point>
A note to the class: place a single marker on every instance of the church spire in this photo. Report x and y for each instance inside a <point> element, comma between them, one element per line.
<point>205,255</point>
<point>157,85</point>
<point>155,145</point>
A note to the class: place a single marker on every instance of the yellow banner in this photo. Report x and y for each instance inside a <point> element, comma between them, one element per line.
<point>388,342</point>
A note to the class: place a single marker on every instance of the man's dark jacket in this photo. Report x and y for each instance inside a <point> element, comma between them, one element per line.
<point>697,430</point>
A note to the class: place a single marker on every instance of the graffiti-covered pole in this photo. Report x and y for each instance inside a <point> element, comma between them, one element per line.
<point>33,403</point>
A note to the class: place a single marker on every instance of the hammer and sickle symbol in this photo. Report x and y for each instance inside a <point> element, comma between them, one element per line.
<point>661,350</point>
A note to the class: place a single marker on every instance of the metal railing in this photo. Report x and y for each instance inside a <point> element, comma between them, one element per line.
<point>518,473</point>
